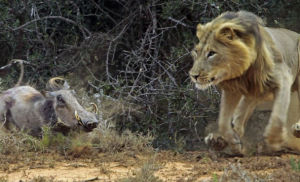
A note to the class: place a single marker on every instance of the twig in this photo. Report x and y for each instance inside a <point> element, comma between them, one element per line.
<point>93,86</point>
<point>13,63</point>
<point>92,179</point>
<point>91,73</point>
<point>109,49</point>
<point>81,28</point>
<point>179,22</point>
<point>106,14</point>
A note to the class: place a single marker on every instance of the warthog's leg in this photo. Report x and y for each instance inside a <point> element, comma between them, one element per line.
<point>242,113</point>
<point>277,123</point>
<point>226,134</point>
<point>3,111</point>
<point>3,120</point>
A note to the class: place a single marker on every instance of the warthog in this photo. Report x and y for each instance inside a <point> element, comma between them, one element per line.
<point>28,109</point>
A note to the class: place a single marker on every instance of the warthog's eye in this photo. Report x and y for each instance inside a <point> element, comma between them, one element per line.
<point>211,53</point>
<point>60,99</point>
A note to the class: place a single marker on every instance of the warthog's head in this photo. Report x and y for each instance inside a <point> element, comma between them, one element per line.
<point>70,114</point>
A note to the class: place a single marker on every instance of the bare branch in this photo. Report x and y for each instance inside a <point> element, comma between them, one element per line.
<point>179,22</point>
<point>85,32</point>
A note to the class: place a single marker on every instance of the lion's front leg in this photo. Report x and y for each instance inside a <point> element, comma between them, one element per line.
<point>296,129</point>
<point>296,126</point>
<point>277,123</point>
<point>226,135</point>
<point>242,113</point>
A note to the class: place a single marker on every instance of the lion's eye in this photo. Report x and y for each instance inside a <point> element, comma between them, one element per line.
<point>211,53</point>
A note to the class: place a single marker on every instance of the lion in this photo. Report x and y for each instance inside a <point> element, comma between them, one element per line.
<point>251,64</point>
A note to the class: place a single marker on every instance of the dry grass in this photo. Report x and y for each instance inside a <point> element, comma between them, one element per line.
<point>18,150</point>
<point>75,144</point>
<point>43,179</point>
<point>236,173</point>
<point>110,141</point>
<point>18,142</point>
<point>145,173</point>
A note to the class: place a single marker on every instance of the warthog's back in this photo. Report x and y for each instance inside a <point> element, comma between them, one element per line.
<point>18,106</point>
<point>20,92</point>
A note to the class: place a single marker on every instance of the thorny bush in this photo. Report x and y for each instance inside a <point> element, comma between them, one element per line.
<point>135,51</point>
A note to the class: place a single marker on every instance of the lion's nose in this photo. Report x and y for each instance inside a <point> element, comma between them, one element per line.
<point>195,76</point>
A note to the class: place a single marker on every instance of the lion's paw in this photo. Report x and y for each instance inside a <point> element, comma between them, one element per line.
<point>215,141</point>
<point>219,143</point>
<point>296,129</point>
<point>273,137</point>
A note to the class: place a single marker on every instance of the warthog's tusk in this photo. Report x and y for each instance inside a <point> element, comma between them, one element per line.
<point>95,107</point>
<point>59,120</point>
<point>78,118</point>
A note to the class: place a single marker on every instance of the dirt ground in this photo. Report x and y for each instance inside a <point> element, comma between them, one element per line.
<point>168,166</point>
<point>187,167</point>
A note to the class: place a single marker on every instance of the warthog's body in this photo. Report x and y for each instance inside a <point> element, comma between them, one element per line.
<point>26,108</point>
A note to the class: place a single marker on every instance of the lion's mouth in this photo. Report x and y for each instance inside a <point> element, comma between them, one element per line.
<point>204,83</point>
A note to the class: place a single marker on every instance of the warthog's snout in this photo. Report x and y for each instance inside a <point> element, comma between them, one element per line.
<point>88,120</point>
<point>88,125</point>
<point>91,125</point>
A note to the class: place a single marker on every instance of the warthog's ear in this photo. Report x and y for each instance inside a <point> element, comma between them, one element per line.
<point>229,31</point>
<point>57,83</point>
<point>95,107</point>
<point>66,86</point>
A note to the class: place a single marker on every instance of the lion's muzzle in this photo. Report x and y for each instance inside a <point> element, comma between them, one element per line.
<point>202,81</point>
<point>194,77</point>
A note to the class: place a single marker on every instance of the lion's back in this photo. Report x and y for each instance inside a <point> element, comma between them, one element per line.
<point>286,41</point>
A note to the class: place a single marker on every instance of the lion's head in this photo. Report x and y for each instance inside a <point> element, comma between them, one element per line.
<point>227,47</point>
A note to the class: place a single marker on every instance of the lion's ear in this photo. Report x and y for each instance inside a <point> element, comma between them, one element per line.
<point>229,32</point>
<point>199,30</point>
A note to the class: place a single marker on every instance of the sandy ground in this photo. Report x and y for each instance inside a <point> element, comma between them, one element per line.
<point>70,171</point>
<point>191,166</point>
<point>168,166</point>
